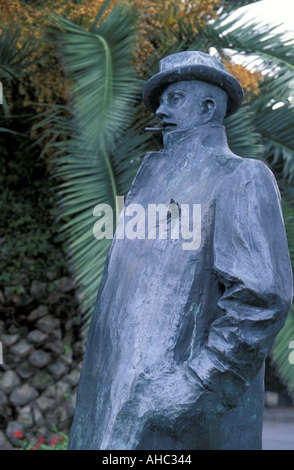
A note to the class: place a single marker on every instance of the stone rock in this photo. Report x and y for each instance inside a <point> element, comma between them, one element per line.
<point>39,289</point>
<point>56,297</point>
<point>3,399</point>
<point>63,390</point>
<point>20,300</point>
<point>48,324</point>
<point>41,380</point>
<point>4,442</point>
<point>61,416</point>
<point>25,417</point>
<point>73,377</point>
<point>58,419</point>
<point>39,358</point>
<point>25,370</point>
<point>23,395</point>
<point>67,358</point>
<point>22,349</point>
<point>9,340</point>
<point>37,336</point>
<point>38,417</point>
<point>9,380</point>
<point>57,347</point>
<point>64,284</point>
<point>10,430</point>
<point>70,404</point>
<point>58,369</point>
<point>50,391</point>
<point>38,312</point>
<point>45,404</point>
<point>57,334</point>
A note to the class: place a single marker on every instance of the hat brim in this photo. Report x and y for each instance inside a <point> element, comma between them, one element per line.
<point>158,83</point>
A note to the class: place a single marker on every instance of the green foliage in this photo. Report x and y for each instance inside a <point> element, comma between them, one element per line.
<point>14,60</point>
<point>102,151</point>
<point>29,243</point>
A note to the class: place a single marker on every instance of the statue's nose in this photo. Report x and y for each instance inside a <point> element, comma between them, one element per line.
<point>162,111</point>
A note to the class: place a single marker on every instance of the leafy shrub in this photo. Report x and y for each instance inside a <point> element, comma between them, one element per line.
<point>29,241</point>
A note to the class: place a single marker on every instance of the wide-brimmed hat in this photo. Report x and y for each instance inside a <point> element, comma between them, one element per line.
<point>192,65</point>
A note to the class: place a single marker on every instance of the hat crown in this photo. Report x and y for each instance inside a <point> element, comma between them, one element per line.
<point>192,65</point>
<point>189,58</point>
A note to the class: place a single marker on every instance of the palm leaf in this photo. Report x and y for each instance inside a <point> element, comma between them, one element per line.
<point>257,39</point>
<point>99,157</point>
<point>85,185</point>
<point>98,62</point>
<point>276,129</point>
<point>243,139</point>
<point>15,61</point>
<point>280,352</point>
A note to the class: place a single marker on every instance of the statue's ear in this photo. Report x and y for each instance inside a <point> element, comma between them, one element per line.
<point>209,107</point>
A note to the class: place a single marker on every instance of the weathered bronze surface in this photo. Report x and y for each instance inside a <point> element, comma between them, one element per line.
<point>178,339</point>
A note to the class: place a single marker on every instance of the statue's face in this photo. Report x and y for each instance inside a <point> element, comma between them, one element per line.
<point>181,106</point>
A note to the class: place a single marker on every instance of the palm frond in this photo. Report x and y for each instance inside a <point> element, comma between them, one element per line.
<point>258,39</point>
<point>276,129</point>
<point>281,352</point>
<point>98,62</point>
<point>243,139</point>
<point>15,60</point>
<point>101,152</point>
<point>84,184</point>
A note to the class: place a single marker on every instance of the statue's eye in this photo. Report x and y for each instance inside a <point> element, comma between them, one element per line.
<point>175,99</point>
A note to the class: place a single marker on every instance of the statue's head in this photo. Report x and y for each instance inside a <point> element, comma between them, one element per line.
<point>192,88</point>
<point>188,104</point>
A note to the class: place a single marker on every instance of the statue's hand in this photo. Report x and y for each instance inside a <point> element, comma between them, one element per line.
<point>180,405</point>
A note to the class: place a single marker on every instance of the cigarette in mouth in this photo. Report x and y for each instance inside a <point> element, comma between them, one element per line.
<point>154,129</point>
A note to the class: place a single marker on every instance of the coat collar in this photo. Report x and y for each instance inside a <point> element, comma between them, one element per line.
<point>210,132</point>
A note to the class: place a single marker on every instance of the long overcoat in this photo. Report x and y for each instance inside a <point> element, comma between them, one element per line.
<point>178,339</point>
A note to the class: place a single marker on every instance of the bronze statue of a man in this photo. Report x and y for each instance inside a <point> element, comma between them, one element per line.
<point>179,335</point>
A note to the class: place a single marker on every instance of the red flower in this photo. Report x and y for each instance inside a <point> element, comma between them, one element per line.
<point>54,441</point>
<point>18,434</point>
<point>41,440</point>
<point>31,448</point>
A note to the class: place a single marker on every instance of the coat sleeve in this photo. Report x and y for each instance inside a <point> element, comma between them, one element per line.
<point>252,263</point>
